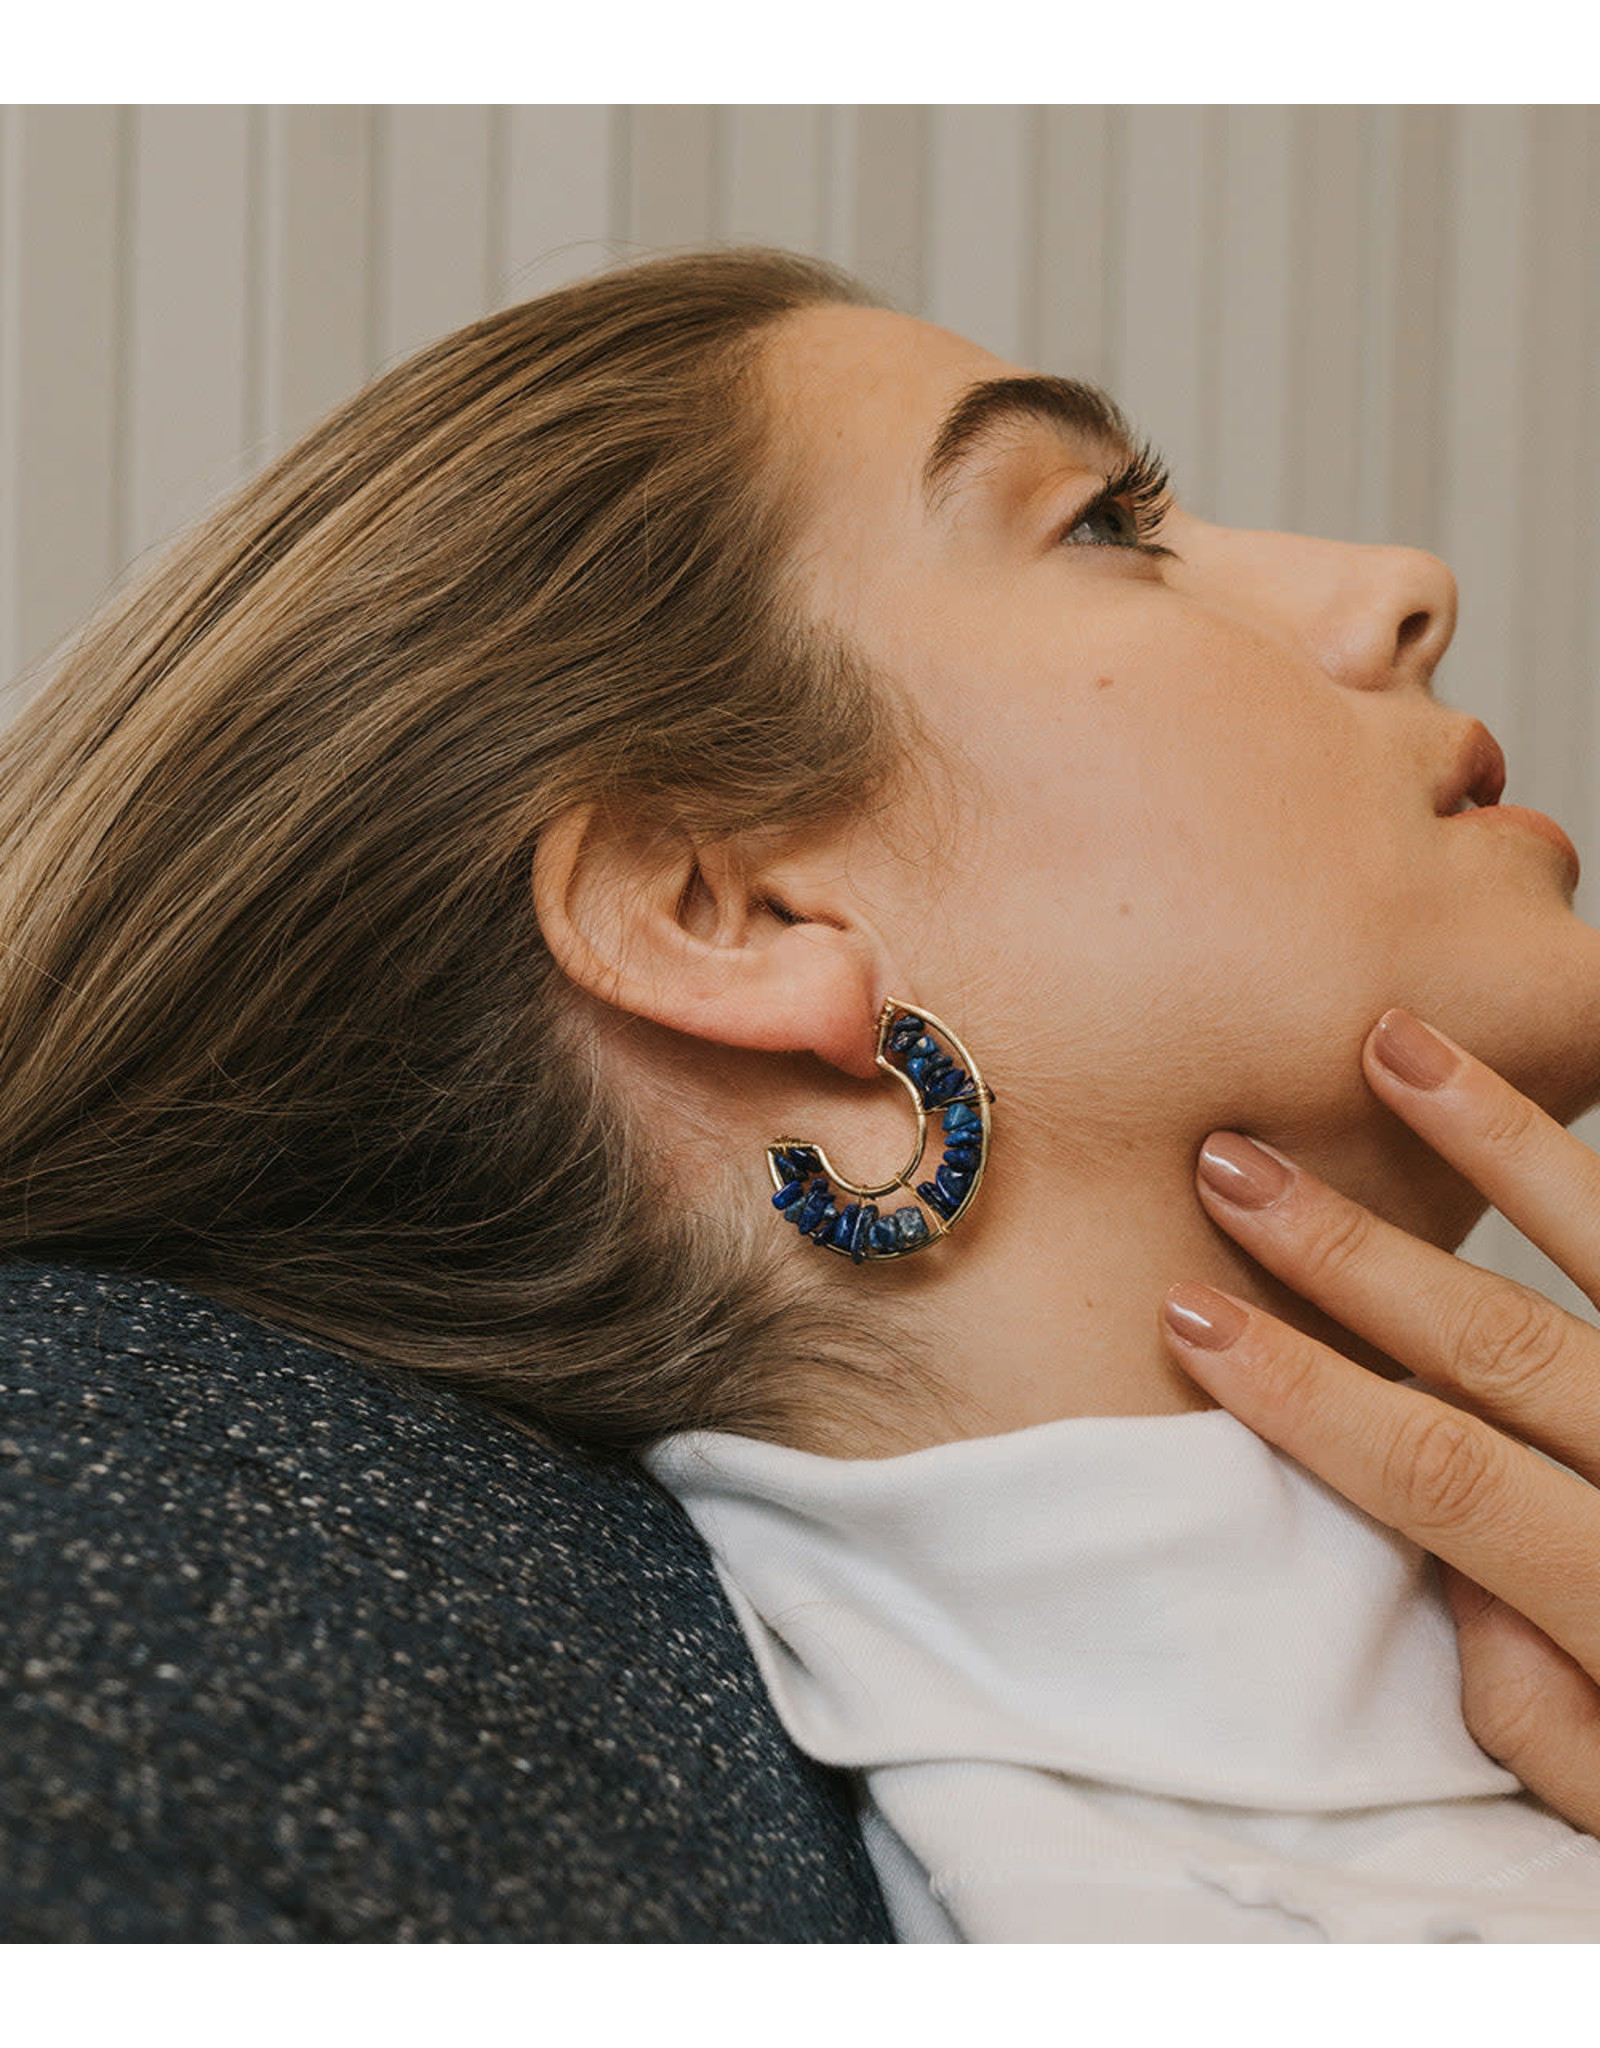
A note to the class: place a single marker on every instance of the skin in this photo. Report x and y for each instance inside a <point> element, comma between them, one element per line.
<point>1191,853</point>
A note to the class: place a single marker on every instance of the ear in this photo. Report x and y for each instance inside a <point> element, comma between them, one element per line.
<point>771,956</point>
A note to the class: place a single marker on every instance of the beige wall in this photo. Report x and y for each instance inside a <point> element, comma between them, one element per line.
<point>1381,323</point>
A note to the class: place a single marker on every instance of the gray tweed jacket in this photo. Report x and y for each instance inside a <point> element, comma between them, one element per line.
<point>295,1650</point>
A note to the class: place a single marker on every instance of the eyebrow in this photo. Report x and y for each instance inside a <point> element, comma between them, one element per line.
<point>1081,410</point>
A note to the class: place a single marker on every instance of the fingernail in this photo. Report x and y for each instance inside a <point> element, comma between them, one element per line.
<point>1200,1315</point>
<point>1412,1052</point>
<point>1240,1171</point>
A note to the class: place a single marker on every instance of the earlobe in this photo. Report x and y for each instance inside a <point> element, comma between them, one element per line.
<point>691,939</point>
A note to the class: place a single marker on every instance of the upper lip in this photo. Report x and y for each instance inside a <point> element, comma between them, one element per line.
<point>1479,773</point>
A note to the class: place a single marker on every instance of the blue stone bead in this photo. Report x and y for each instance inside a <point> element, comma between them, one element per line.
<point>823,1228</point>
<point>786,1197</point>
<point>906,1021</point>
<point>962,1157</point>
<point>797,1165</point>
<point>941,1089</point>
<point>960,1116</point>
<point>866,1217</point>
<point>952,1184</point>
<point>810,1210</point>
<point>935,1196</point>
<point>911,1226</point>
<point>843,1225</point>
<point>883,1237</point>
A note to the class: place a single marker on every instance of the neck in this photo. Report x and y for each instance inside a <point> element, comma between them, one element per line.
<point>1047,1300</point>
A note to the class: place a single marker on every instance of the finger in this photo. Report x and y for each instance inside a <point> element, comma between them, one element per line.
<point>1524,1528</point>
<point>1499,1346</point>
<point>1534,1172</point>
<point>1528,1703</point>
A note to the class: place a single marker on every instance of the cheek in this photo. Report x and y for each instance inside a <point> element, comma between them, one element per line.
<point>1157,885</point>
<point>1170,819</point>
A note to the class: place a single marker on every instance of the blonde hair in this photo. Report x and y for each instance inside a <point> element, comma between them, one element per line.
<point>279,1023</point>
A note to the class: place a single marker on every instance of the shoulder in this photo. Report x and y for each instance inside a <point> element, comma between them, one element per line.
<point>306,1649</point>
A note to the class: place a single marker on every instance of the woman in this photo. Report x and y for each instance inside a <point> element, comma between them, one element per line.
<point>488,858</point>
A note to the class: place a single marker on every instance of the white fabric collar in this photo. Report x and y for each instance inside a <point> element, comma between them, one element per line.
<point>1160,1603</point>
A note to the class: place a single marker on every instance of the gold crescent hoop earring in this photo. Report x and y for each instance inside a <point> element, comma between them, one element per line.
<point>840,1214</point>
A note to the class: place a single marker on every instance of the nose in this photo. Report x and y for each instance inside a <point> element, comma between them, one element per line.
<point>1374,617</point>
<point>1387,617</point>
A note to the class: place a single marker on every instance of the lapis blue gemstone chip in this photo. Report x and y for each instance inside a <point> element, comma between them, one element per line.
<point>963,1157</point>
<point>866,1217</point>
<point>952,1184</point>
<point>822,1229</point>
<point>935,1197</point>
<point>910,1224</point>
<point>960,1114</point>
<point>843,1225</point>
<point>786,1197</point>
<point>810,1211</point>
<point>882,1236</point>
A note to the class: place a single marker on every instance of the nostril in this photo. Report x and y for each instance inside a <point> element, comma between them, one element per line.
<point>1412,628</point>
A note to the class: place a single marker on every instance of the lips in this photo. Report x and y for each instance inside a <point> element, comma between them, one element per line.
<point>1476,783</point>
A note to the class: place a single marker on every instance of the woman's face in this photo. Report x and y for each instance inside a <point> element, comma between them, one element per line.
<point>1200,844</point>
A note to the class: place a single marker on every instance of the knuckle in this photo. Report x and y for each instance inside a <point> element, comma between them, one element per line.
<point>1290,1378</point>
<point>1505,1338</point>
<point>1334,1238</point>
<point>1509,1121</point>
<point>1442,1470</point>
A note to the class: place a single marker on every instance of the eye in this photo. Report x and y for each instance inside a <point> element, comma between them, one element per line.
<point>1133,503</point>
<point>1109,511</point>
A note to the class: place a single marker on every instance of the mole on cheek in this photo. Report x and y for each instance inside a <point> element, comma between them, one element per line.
<point>1102,682</point>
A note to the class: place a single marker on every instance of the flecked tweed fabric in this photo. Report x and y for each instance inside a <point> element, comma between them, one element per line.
<point>296,1650</point>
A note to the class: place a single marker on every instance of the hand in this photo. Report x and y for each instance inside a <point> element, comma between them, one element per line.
<point>1511,1370</point>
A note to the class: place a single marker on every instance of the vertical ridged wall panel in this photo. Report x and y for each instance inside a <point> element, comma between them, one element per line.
<point>561,204</point>
<point>1331,305</point>
<point>192,315</point>
<point>1076,248</point>
<point>672,176</point>
<point>432,220</point>
<point>878,205</point>
<point>1256,264</point>
<point>316,282</point>
<point>60,373</point>
<point>773,184</point>
<point>1379,323</point>
<point>980,256</point>
<point>1162,328</point>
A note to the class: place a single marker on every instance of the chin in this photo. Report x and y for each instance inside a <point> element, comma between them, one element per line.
<point>1535,1021</point>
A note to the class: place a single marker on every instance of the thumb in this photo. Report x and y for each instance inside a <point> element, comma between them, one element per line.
<point>1526,1702</point>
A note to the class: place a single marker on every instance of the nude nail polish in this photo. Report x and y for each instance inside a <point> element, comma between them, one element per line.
<point>1413,1053</point>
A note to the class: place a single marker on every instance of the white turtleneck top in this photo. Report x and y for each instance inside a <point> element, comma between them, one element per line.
<point>1129,1679</point>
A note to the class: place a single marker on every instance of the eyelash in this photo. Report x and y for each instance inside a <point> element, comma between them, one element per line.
<point>1144,487</point>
